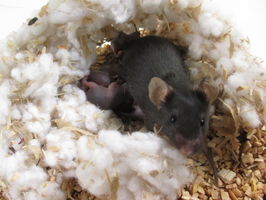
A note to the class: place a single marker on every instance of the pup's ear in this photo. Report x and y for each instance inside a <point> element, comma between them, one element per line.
<point>159,90</point>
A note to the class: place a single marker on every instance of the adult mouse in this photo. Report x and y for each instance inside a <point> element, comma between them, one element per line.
<point>156,78</point>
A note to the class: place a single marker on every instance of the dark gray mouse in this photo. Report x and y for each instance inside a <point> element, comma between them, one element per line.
<point>156,78</point>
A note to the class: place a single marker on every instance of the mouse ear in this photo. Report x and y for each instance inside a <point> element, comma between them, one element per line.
<point>211,92</point>
<point>159,90</point>
<point>201,96</point>
<point>122,40</point>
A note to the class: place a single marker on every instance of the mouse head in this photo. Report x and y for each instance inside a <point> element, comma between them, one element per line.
<point>182,114</point>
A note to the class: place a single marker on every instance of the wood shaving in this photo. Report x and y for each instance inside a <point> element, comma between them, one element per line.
<point>226,175</point>
<point>225,195</point>
<point>73,191</point>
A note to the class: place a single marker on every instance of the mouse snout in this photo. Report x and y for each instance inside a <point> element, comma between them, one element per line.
<point>187,146</point>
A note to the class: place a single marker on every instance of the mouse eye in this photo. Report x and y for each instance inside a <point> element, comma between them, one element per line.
<point>202,122</point>
<point>173,119</point>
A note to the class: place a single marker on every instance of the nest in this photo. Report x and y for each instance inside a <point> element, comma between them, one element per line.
<point>238,151</point>
<point>237,132</point>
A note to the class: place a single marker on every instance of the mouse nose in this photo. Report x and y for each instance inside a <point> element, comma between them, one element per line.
<point>190,147</point>
<point>187,147</point>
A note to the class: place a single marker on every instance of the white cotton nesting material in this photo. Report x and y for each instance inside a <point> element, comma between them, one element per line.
<point>50,133</point>
<point>129,161</point>
<point>5,105</point>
